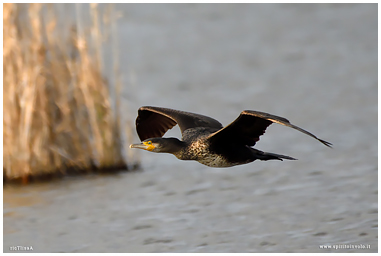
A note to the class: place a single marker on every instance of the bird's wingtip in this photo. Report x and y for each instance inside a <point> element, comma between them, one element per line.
<point>328,144</point>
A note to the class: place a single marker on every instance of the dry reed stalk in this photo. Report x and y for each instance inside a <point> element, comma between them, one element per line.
<point>57,110</point>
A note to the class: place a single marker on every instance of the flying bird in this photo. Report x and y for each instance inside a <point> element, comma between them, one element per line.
<point>205,140</point>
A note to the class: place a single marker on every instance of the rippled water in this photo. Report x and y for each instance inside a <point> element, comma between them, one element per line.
<point>313,64</point>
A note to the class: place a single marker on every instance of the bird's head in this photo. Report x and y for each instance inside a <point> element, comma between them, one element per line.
<point>160,145</point>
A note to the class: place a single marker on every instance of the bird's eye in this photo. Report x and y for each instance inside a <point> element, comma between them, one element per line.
<point>149,142</point>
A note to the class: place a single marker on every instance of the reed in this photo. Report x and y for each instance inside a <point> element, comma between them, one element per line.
<point>57,113</point>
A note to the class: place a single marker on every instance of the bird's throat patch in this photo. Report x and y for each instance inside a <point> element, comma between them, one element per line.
<point>149,146</point>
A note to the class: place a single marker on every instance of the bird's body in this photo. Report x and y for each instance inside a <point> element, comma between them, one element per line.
<point>204,139</point>
<point>198,148</point>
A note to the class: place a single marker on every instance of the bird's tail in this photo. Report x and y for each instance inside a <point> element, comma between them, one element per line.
<point>264,156</point>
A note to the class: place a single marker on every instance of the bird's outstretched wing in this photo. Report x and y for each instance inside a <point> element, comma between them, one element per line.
<point>155,121</point>
<point>250,125</point>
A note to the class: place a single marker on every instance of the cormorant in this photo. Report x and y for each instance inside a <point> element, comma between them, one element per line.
<point>205,140</point>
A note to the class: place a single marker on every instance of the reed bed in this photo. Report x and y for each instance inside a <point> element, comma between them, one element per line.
<point>58,116</point>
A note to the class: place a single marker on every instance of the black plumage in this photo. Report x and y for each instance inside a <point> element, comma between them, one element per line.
<point>205,140</point>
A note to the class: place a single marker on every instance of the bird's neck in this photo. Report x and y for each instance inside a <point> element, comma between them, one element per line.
<point>176,146</point>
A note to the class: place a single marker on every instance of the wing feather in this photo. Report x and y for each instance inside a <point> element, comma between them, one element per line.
<point>155,121</point>
<point>250,125</point>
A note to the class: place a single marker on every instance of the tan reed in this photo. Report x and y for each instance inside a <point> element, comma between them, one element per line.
<point>57,109</point>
